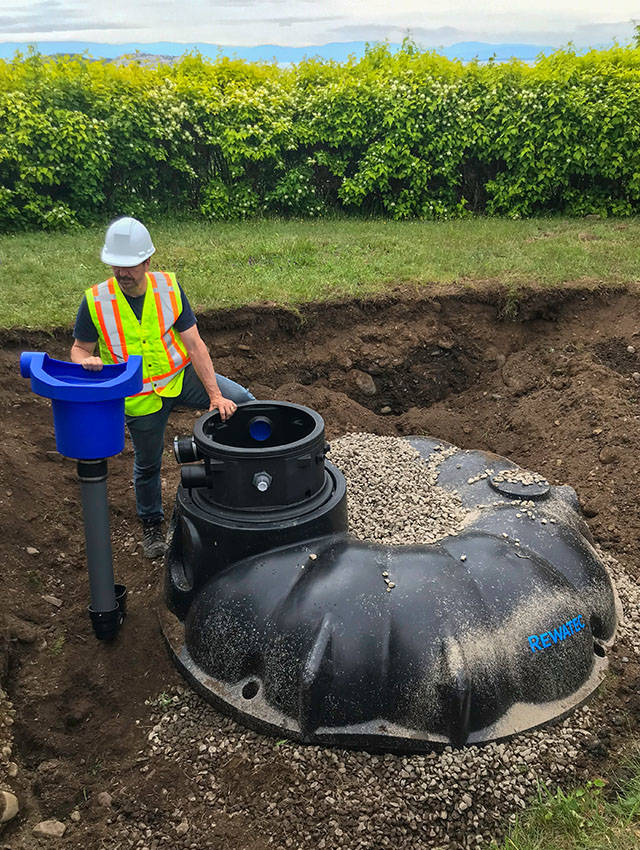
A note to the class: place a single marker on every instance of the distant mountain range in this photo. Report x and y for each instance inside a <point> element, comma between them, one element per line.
<point>337,51</point>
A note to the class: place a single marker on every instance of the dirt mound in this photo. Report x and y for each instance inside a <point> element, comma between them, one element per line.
<point>555,391</point>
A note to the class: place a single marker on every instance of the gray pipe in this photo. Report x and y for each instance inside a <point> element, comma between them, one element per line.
<point>93,487</point>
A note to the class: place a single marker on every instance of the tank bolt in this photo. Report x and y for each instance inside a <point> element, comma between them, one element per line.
<point>262,481</point>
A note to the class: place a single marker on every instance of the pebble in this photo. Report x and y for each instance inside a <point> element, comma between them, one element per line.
<point>50,829</point>
<point>53,600</point>
<point>104,799</point>
<point>608,455</point>
<point>31,550</point>
<point>364,382</point>
<point>9,806</point>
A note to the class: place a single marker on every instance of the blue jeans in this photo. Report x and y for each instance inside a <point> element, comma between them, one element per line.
<point>147,435</point>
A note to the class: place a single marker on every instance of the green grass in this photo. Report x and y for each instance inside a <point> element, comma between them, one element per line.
<point>593,817</point>
<point>43,275</point>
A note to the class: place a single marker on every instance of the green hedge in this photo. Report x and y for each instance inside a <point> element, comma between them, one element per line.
<point>405,135</point>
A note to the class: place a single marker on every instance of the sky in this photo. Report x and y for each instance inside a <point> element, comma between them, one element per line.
<point>431,23</point>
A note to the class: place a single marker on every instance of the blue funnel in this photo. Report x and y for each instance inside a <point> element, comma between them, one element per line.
<point>88,407</point>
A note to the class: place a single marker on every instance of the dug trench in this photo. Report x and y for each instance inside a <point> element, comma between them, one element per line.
<point>555,387</point>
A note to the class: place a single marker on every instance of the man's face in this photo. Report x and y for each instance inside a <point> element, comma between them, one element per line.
<point>131,279</point>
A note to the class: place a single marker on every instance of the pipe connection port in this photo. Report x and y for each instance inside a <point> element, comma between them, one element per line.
<point>185,449</point>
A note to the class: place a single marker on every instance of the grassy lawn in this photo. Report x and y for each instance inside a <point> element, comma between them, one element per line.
<point>289,262</point>
<point>594,817</point>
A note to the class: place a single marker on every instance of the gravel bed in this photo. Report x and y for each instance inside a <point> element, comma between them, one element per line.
<point>285,795</point>
<point>392,492</point>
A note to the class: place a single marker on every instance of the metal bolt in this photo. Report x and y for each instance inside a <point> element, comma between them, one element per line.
<point>262,481</point>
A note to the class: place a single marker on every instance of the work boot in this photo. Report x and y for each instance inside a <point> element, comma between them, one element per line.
<point>153,543</point>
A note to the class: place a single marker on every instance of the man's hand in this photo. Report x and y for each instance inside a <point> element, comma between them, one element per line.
<point>225,407</point>
<point>82,353</point>
<point>92,364</point>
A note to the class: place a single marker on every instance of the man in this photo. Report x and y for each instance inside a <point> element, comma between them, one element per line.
<point>141,312</point>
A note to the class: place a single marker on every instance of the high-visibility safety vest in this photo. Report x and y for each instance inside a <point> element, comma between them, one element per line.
<point>120,335</point>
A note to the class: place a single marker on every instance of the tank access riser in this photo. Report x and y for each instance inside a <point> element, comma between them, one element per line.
<point>480,638</point>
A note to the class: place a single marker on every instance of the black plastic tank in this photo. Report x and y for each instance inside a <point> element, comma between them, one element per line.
<point>279,616</point>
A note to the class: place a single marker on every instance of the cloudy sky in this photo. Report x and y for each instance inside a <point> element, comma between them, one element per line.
<point>303,22</point>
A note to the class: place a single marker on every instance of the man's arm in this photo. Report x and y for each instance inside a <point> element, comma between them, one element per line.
<point>199,354</point>
<point>82,353</point>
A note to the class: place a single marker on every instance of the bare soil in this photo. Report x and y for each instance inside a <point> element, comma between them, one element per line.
<point>552,387</point>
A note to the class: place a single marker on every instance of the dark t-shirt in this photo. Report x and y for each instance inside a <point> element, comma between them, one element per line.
<point>85,330</point>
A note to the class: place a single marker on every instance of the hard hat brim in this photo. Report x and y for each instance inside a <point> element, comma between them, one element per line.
<point>126,261</point>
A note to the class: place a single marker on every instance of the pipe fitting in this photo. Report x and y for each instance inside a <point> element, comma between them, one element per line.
<point>185,449</point>
<point>262,481</point>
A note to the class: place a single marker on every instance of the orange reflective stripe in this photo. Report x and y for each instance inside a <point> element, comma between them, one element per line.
<point>183,354</point>
<point>103,326</point>
<point>159,310</point>
<point>118,318</point>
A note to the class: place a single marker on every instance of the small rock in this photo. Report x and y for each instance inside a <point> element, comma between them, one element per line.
<point>589,509</point>
<point>31,550</point>
<point>364,382</point>
<point>12,769</point>
<point>9,806</point>
<point>608,455</point>
<point>50,829</point>
<point>386,409</point>
<point>104,799</point>
<point>53,600</point>
<point>631,349</point>
<point>75,816</point>
<point>636,377</point>
<point>183,827</point>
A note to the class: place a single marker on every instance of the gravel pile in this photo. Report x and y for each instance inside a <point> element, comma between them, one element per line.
<point>279,794</point>
<point>392,494</point>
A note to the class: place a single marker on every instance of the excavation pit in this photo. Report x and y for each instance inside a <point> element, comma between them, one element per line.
<point>541,395</point>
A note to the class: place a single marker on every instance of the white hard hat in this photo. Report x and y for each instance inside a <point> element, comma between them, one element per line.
<point>126,243</point>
